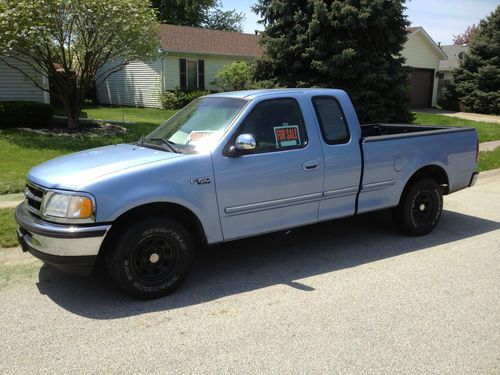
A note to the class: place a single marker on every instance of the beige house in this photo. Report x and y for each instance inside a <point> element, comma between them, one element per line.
<point>15,86</point>
<point>193,56</point>
<point>424,56</point>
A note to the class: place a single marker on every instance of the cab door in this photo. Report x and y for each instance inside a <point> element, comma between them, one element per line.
<point>341,149</point>
<point>279,184</point>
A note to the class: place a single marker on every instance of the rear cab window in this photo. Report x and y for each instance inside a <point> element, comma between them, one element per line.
<point>331,119</point>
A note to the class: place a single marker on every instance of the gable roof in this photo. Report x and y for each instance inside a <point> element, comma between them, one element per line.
<point>419,29</point>
<point>454,57</point>
<point>187,39</point>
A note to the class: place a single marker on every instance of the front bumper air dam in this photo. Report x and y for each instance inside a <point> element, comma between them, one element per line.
<point>71,249</point>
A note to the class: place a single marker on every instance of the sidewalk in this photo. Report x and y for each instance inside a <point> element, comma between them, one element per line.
<point>463,115</point>
<point>10,200</point>
<point>489,146</point>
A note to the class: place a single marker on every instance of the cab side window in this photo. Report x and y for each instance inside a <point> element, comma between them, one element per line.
<point>331,120</point>
<point>276,125</point>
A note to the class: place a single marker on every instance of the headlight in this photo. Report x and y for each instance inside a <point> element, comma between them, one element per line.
<point>69,206</point>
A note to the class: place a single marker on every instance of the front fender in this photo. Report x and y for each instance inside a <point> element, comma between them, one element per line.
<point>187,181</point>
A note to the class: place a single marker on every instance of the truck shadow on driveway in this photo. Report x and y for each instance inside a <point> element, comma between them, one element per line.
<point>255,263</point>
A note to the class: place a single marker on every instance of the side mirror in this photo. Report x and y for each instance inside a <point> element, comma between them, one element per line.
<point>245,143</point>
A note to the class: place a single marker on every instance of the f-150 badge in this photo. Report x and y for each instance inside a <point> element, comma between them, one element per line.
<point>201,180</point>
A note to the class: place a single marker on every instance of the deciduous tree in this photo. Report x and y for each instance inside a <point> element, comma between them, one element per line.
<point>466,37</point>
<point>76,38</point>
<point>199,13</point>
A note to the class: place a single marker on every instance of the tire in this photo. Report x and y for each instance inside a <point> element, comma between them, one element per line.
<point>420,208</point>
<point>152,258</point>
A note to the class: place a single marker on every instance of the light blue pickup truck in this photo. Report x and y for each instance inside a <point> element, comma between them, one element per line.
<point>229,166</point>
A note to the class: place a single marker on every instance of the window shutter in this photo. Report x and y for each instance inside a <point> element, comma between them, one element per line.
<point>182,74</point>
<point>201,74</point>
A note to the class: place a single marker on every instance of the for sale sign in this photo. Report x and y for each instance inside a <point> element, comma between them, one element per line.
<point>287,135</point>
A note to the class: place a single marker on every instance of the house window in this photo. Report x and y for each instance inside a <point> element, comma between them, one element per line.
<point>192,74</point>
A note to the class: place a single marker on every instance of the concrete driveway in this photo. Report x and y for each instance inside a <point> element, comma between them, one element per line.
<point>349,296</point>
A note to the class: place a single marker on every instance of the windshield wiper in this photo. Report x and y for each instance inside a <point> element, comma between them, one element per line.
<point>169,144</point>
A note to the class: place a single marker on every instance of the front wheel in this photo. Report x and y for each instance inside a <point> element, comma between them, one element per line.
<point>420,208</point>
<point>151,258</point>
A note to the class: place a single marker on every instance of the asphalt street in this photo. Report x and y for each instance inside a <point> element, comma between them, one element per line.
<point>349,296</point>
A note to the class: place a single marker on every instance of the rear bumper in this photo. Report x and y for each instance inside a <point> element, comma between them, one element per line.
<point>71,249</point>
<point>473,179</point>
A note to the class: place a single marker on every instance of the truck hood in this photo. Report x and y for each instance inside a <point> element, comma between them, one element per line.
<point>73,170</point>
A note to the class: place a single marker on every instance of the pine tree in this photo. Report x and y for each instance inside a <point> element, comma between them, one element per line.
<point>476,85</point>
<point>353,45</point>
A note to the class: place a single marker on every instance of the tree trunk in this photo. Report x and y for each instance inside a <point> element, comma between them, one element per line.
<point>72,98</point>
<point>73,112</point>
<point>72,121</point>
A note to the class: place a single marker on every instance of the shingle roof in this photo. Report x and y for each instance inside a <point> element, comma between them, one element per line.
<point>453,53</point>
<point>196,40</point>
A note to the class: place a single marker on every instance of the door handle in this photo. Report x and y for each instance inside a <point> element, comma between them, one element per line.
<point>310,165</point>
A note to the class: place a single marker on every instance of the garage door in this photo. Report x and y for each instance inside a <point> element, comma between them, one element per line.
<point>421,88</point>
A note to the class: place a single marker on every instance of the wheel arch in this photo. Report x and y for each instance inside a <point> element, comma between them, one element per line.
<point>434,172</point>
<point>175,211</point>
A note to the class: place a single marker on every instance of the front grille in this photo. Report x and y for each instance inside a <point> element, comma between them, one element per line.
<point>34,197</point>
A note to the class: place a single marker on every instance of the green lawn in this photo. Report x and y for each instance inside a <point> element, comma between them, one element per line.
<point>486,131</point>
<point>8,228</point>
<point>489,160</point>
<point>20,151</point>
<point>126,114</point>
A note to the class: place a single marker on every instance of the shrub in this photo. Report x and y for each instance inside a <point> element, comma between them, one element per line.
<point>178,99</point>
<point>449,98</point>
<point>235,76</point>
<point>19,114</point>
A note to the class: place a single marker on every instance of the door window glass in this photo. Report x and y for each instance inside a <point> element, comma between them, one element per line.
<point>276,124</point>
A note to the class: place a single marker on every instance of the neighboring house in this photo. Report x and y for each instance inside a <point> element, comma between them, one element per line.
<point>455,55</point>
<point>424,56</point>
<point>15,86</point>
<point>191,57</point>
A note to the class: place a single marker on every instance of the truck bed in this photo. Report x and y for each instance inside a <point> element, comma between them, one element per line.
<point>373,132</point>
<point>391,154</point>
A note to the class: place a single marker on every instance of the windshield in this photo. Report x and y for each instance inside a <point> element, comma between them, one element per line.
<point>198,126</point>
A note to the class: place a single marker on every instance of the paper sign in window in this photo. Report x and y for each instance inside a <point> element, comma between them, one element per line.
<point>287,136</point>
<point>200,136</point>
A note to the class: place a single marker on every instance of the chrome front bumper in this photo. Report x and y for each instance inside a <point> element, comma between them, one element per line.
<point>70,248</point>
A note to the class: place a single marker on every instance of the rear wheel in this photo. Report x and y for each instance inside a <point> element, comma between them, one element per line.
<point>151,258</point>
<point>420,208</point>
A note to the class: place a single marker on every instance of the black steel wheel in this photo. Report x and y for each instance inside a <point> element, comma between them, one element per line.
<point>420,207</point>
<point>151,258</point>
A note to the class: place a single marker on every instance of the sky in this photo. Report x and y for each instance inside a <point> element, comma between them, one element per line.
<point>440,18</point>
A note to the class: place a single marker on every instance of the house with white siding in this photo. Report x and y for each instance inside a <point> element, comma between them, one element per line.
<point>190,59</point>
<point>423,55</point>
<point>15,86</point>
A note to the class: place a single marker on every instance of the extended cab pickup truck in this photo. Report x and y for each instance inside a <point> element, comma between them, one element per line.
<point>229,166</point>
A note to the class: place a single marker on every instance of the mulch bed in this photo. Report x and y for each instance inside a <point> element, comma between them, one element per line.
<point>97,129</point>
